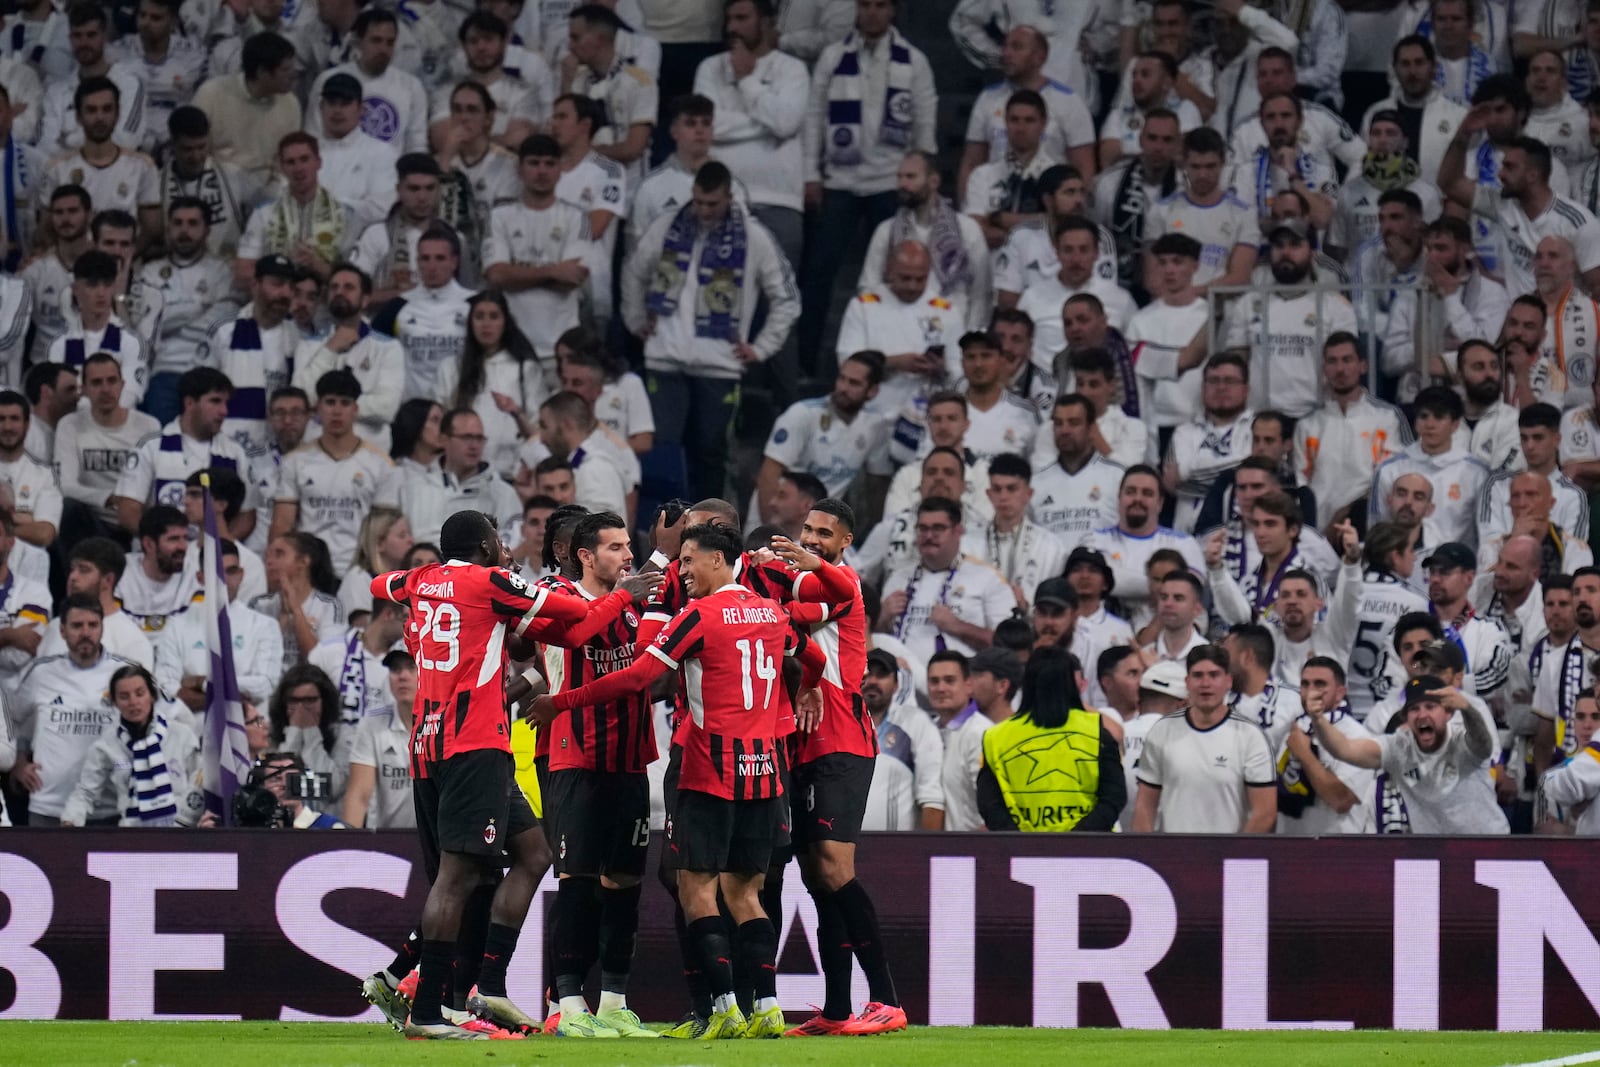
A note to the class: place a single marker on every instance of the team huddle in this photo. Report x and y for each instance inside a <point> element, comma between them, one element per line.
<point>768,649</point>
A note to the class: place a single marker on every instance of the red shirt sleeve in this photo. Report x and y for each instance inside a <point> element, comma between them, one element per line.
<point>391,586</point>
<point>827,584</point>
<point>602,613</point>
<point>812,659</point>
<point>614,686</point>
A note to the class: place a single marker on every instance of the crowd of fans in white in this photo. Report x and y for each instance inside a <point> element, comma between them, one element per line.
<point>1180,355</point>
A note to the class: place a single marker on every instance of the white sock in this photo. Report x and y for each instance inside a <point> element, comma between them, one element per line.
<point>610,1001</point>
<point>766,1003</point>
<point>573,1006</point>
<point>550,1008</point>
<point>725,1003</point>
<point>390,980</point>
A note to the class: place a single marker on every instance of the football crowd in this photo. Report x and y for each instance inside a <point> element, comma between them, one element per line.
<point>1168,437</point>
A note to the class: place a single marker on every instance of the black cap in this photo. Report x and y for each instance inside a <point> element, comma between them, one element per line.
<point>1438,656</point>
<point>275,266</point>
<point>1451,556</point>
<point>1417,690</point>
<point>1000,662</point>
<point>1057,591</point>
<point>1297,227</point>
<point>344,88</point>
<point>883,659</point>
<point>1086,556</point>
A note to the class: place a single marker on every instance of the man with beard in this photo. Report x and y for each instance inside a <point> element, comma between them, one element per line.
<point>1286,330</point>
<point>1474,306</point>
<point>1214,441</point>
<point>1228,232</point>
<point>1489,425</point>
<point>155,473</point>
<point>155,584</point>
<point>961,259</point>
<point>1029,254</point>
<point>1539,430</point>
<point>1150,88</point>
<point>1323,131</point>
<point>1272,707</point>
<point>1125,191</point>
<point>831,437</point>
<point>1283,164</point>
<point>376,360</point>
<point>49,274</point>
<point>1456,475</point>
<point>1522,209</point>
<point>1320,794</point>
<point>1076,494</point>
<point>1410,503</point>
<point>1339,445</point>
<point>1385,167</point>
<point>1451,570</point>
<point>1096,373</point>
<point>1556,118</point>
<point>1568,790</point>
<point>1419,106</point>
<point>191,170</point>
<point>1069,130</point>
<point>37,501</point>
<point>1392,260</point>
<point>1138,534</point>
<point>1438,759</point>
<point>833,771</point>
<point>1530,505</point>
<point>1564,671</point>
<point>917,330</point>
<point>256,352</point>
<point>193,283</point>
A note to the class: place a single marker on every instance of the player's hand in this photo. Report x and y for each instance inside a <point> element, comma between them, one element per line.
<point>668,539</point>
<point>1349,543</point>
<point>808,710</point>
<point>542,711</point>
<point>643,586</point>
<point>763,556</point>
<point>801,559</point>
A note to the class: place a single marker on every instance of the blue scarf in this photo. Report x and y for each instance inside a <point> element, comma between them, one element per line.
<point>77,349</point>
<point>719,276</point>
<point>1478,68</point>
<point>1302,163</point>
<point>248,401</point>
<point>169,491</point>
<point>844,101</point>
<point>149,798</point>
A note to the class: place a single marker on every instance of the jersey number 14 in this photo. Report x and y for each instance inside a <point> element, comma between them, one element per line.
<point>754,663</point>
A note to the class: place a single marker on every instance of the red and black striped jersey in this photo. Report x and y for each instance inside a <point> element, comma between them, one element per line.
<point>560,582</point>
<point>841,631</point>
<point>727,646</point>
<point>615,736</point>
<point>456,629</point>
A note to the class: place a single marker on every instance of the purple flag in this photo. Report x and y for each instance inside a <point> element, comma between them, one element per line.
<point>226,748</point>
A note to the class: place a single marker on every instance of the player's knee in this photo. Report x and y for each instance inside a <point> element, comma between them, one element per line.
<point>835,867</point>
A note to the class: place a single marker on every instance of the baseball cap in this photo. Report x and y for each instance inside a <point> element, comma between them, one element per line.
<point>883,660</point>
<point>1451,556</point>
<point>1057,591</point>
<point>1000,662</point>
<point>1091,557</point>
<point>1417,690</point>
<point>1297,227</point>
<point>1439,656</point>
<point>341,87</point>
<point>1167,677</point>
<point>275,266</point>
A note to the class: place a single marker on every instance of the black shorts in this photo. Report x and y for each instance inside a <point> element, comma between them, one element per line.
<point>470,803</point>
<point>598,822</point>
<point>829,798</point>
<point>712,835</point>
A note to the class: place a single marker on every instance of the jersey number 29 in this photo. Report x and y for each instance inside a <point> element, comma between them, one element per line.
<point>440,623</point>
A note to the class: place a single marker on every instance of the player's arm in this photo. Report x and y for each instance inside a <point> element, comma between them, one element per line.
<point>819,582</point>
<point>514,598</point>
<point>390,586</point>
<point>612,687</point>
<point>633,592</point>
<point>813,661</point>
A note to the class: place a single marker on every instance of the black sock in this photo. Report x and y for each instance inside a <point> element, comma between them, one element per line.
<point>772,892</point>
<point>744,980</point>
<point>498,948</point>
<point>436,958</point>
<point>861,921</point>
<point>758,947</point>
<point>619,934</point>
<point>710,937</point>
<point>576,935</point>
<point>469,945</point>
<point>407,957</point>
<point>693,976</point>
<point>833,946</point>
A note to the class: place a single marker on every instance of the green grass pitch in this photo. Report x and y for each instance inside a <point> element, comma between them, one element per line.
<point>336,1045</point>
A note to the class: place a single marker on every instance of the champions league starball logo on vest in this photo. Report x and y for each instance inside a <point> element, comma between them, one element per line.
<point>380,119</point>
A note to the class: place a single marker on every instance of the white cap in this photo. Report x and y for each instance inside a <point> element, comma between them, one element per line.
<point>1168,678</point>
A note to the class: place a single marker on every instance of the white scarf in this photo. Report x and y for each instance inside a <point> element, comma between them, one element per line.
<point>149,801</point>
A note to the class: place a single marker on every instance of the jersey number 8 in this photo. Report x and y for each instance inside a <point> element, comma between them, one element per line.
<point>764,668</point>
<point>440,623</point>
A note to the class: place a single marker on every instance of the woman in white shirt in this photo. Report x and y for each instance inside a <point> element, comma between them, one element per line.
<point>498,377</point>
<point>381,546</point>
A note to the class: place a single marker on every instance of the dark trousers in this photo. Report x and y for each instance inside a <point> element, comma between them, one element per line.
<point>696,414</point>
<point>835,247</point>
<point>161,397</point>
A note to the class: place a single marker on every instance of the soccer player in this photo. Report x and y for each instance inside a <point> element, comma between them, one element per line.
<point>833,772</point>
<point>729,811</point>
<point>461,760</point>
